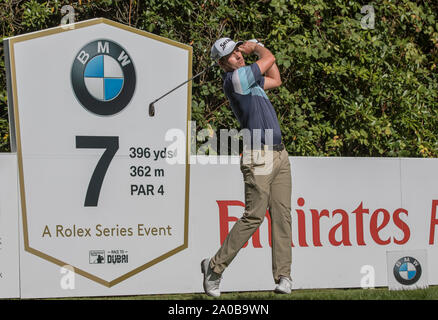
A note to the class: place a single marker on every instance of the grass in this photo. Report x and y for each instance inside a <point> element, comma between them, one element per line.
<point>430,293</point>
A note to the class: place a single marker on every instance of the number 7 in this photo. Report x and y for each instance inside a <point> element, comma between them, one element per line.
<point>111,144</point>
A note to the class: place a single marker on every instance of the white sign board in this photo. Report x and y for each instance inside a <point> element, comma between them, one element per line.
<point>9,259</point>
<point>97,192</point>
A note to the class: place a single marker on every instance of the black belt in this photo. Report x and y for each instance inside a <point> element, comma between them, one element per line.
<point>275,147</point>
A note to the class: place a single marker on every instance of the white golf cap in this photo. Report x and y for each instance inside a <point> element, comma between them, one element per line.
<point>223,47</point>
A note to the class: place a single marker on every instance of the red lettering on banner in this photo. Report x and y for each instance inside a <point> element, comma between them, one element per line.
<point>301,224</point>
<point>315,225</point>
<point>374,229</point>
<point>344,225</point>
<point>359,223</point>
<point>433,221</point>
<point>402,226</point>
<point>378,221</point>
<point>225,219</point>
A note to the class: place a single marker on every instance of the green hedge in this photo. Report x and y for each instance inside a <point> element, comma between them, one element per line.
<point>346,91</point>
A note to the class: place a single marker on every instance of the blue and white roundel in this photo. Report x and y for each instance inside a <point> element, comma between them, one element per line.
<point>407,271</point>
<point>103,77</point>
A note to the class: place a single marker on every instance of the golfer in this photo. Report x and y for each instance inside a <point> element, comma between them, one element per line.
<point>264,163</point>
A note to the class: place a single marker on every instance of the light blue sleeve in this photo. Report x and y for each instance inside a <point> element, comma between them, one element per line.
<point>247,77</point>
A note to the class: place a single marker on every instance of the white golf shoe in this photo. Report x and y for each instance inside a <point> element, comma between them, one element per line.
<point>212,279</point>
<point>284,286</point>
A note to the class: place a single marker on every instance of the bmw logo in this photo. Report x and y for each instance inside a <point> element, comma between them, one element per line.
<point>407,270</point>
<point>103,77</point>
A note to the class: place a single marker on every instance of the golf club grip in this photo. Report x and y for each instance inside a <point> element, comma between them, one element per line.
<point>151,109</point>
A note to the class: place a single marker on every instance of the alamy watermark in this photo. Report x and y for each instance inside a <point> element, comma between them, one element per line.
<point>368,280</point>
<point>67,281</point>
<point>256,146</point>
<point>68,18</point>
<point>367,21</point>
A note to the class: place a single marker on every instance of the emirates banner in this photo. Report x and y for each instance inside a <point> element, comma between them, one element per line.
<point>347,214</point>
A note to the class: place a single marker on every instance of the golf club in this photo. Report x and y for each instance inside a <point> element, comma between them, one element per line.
<point>152,104</point>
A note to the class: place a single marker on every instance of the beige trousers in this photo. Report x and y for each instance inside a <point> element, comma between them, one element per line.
<point>267,178</point>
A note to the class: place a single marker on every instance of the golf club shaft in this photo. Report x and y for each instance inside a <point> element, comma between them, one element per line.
<point>183,83</point>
